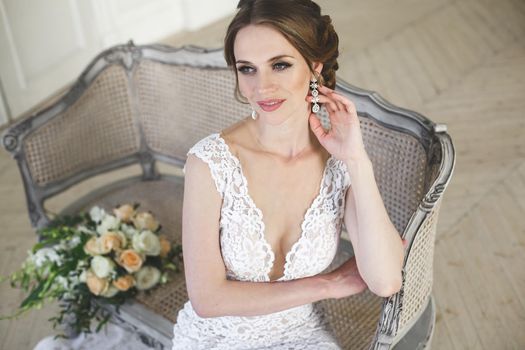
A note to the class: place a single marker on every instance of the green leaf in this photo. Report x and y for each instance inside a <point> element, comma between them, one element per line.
<point>33,297</point>
<point>103,322</point>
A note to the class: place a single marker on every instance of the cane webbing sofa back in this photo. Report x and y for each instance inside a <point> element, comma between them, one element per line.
<point>418,270</point>
<point>399,162</point>
<point>150,104</point>
<point>178,105</point>
<point>96,129</point>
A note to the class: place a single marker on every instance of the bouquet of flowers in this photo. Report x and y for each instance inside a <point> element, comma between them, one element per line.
<point>95,256</point>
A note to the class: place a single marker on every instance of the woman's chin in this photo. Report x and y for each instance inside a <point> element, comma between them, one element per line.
<point>274,119</point>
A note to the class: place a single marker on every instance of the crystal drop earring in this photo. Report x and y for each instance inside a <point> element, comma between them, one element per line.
<point>254,114</point>
<point>315,95</point>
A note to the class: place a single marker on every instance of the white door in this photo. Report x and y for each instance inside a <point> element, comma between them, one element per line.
<point>43,44</point>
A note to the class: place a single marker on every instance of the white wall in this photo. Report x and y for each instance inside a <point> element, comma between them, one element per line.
<point>44,45</point>
<point>199,13</point>
<point>117,21</point>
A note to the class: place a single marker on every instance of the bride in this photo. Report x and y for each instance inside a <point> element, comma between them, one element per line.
<point>265,199</point>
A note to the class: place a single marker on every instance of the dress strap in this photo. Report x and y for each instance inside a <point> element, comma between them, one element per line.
<point>212,152</point>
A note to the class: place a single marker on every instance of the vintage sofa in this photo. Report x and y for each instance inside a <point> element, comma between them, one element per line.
<point>148,105</point>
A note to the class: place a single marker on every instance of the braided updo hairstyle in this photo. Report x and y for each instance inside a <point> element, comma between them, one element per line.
<point>300,22</point>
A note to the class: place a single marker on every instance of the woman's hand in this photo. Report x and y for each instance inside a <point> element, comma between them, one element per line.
<point>344,140</point>
<point>345,280</point>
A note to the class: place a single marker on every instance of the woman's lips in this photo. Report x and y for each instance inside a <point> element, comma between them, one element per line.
<point>270,105</point>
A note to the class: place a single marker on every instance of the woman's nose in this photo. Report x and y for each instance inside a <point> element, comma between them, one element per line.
<point>265,84</point>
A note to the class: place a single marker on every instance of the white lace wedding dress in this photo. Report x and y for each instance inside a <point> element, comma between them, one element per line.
<point>248,257</point>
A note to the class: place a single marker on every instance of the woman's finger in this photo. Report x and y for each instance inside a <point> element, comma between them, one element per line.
<point>326,90</point>
<point>340,106</point>
<point>346,102</point>
<point>330,104</point>
<point>337,96</point>
<point>317,127</point>
<point>331,107</point>
<point>323,99</point>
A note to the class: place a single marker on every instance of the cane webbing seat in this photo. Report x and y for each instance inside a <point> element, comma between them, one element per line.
<point>149,104</point>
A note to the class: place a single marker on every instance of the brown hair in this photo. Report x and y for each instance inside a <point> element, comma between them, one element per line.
<point>300,22</point>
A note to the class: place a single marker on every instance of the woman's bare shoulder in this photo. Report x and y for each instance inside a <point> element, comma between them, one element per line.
<point>237,135</point>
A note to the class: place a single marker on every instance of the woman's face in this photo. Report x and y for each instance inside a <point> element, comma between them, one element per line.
<point>272,74</point>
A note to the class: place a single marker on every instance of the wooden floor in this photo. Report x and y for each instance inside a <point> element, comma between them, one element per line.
<point>461,63</point>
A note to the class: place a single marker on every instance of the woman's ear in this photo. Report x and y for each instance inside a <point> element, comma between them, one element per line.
<point>317,67</point>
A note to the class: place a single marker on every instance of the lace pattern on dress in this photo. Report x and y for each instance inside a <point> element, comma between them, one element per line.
<point>246,253</point>
<point>249,257</point>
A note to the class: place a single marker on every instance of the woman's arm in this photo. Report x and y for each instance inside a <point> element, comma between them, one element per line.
<point>211,294</point>
<point>378,247</point>
<point>377,244</point>
<point>237,298</point>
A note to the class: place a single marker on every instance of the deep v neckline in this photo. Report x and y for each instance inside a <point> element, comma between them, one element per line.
<point>260,215</point>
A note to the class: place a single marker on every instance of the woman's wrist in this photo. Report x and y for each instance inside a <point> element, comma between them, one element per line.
<point>359,162</point>
<point>323,281</point>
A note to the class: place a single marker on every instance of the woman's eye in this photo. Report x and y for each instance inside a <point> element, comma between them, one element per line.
<point>281,65</point>
<point>245,69</point>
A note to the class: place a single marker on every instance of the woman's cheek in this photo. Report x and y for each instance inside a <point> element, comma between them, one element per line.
<point>298,84</point>
<point>245,87</point>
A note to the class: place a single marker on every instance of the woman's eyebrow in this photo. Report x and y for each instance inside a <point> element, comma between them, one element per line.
<point>271,59</point>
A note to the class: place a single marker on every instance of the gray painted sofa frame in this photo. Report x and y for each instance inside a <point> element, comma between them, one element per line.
<point>140,76</point>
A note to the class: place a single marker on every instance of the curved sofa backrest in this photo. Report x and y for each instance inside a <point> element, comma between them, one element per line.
<point>142,104</point>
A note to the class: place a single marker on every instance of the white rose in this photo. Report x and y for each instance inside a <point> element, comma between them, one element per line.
<point>83,276</point>
<point>110,292</point>
<point>146,242</point>
<point>109,222</point>
<point>102,266</point>
<point>145,221</point>
<point>129,230</point>
<point>147,277</point>
<point>97,214</point>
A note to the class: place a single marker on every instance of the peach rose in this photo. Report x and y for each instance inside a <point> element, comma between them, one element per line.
<point>124,212</point>
<point>130,260</point>
<point>124,283</point>
<point>145,221</point>
<point>95,284</point>
<point>165,246</point>
<point>92,247</point>
<point>111,241</point>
